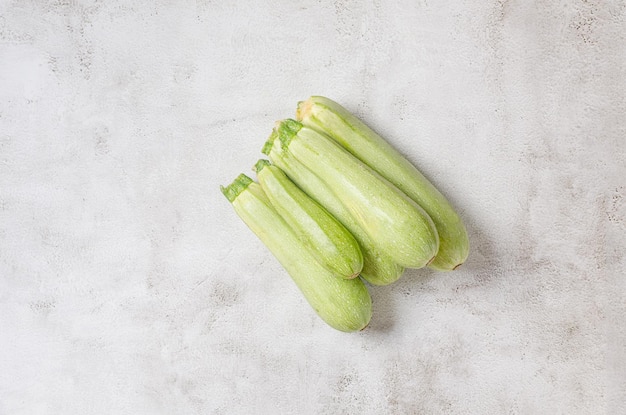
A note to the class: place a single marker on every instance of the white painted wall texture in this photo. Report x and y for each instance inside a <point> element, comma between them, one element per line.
<point>129,286</point>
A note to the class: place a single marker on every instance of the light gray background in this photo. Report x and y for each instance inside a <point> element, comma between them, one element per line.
<point>129,286</point>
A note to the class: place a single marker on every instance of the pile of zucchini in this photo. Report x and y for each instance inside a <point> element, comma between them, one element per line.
<point>336,202</point>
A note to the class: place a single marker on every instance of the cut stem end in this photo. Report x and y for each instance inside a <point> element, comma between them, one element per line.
<point>236,187</point>
<point>303,109</point>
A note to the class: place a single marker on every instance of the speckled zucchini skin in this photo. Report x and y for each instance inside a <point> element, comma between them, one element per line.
<point>378,268</point>
<point>327,239</point>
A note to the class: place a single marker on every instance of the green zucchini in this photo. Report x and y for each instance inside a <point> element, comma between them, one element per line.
<point>335,121</point>
<point>327,239</point>
<point>398,226</point>
<point>378,268</point>
<point>343,304</point>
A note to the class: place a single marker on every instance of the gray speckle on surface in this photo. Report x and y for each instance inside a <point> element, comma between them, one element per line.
<point>129,285</point>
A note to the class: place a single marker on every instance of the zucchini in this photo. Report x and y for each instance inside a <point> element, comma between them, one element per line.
<point>378,268</point>
<point>398,226</point>
<point>335,121</point>
<point>343,304</point>
<point>327,239</point>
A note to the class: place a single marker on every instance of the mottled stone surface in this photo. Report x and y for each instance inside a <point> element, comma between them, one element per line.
<point>129,285</point>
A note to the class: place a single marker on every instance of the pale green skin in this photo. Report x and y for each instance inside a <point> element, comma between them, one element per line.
<point>338,123</point>
<point>327,239</point>
<point>343,304</point>
<point>398,226</point>
<point>378,268</point>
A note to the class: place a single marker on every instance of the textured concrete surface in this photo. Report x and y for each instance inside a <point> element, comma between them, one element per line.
<point>129,286</point>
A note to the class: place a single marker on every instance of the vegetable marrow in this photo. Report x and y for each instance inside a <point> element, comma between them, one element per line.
<point>343,304</point>
<point>327,239</point>
<point>335,121</point>
<point>398,226</point>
